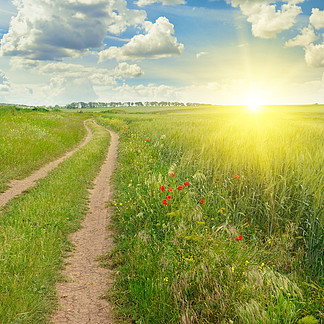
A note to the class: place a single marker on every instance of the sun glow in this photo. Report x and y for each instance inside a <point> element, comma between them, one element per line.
<point>254,107</point>
<point>254,104</point>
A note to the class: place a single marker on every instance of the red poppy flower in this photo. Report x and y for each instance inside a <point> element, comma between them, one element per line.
<point>170,189</point>
<point>236,176</point>
<point>136,147</point>
<point>172,175</point>
<point>239,238</point>
<point>202,201</point>
<point>164,202</point>
<point>180,188</point>
<point>169,197</point>
<point>186,183</point>
<point>217,179</point>
<point>147,141</point>
<point>162,188</point>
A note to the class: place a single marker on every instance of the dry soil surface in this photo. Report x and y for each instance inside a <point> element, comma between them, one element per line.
<point>79,296</point>
<point>18,186</point>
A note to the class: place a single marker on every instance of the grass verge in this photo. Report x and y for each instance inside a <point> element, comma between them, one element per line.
<point>29,139</point>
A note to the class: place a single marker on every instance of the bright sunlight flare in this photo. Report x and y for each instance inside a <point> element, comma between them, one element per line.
<point>254,105</point>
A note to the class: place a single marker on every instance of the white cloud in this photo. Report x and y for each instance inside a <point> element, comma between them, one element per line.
<point>4,83</point>
<point>124,17</point>
<point>65,89</point>
<point>97,76</point>
<point>66,82</point>
<point>266,20</point>
<point>100,78</point>
<point>317,18</point>
<point>21,63</point>
<point>306,37</point>
<point>128,70</point>
<point>156,43</point>
<point>198,55</point>
<point>151,92</point>
<point>53,29</point>
<point>142,3</point>
<point>314,55</point>
<point>60,90</point>
<point>62,70</point>
<point>75,82</point>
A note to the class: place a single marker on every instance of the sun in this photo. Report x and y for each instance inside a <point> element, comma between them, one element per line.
<point>254,105</point>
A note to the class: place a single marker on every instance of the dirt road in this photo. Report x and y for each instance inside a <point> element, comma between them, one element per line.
<point>86,281</point>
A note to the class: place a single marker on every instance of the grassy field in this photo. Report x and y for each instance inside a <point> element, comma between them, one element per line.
<point>35,226</point>
<point>29,139</point>
<point>218,213</point>
<point>139,109</point>
<point>219,216</point>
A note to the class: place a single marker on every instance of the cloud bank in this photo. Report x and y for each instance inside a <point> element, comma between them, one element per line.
<point>158,42</point>
<point>54,29</point>
<point>306,37</point>
<point>142,3</point>
<point>266,19</point>
<point>4,83</point>
<point>314,53</point>
<point>317,18</point>
<point>126,70</point>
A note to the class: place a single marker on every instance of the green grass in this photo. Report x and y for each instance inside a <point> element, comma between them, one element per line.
<point>182,262</point>
<point>30,139</point>
<point>34,230</point>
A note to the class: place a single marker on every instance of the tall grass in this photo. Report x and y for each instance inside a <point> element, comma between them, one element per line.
<point>259,177</point>
<point>34,230</point>
<point>30,139</point>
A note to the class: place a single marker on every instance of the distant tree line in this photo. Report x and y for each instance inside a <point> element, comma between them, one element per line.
<point>4,104</point>
<point>114,104</point>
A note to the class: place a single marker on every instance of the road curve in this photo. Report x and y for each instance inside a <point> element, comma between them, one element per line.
<point>18,186</point>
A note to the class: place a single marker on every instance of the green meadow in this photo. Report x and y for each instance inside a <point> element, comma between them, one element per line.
<point>29,139</point>
<point>218,212</point>
<point>219,215</point>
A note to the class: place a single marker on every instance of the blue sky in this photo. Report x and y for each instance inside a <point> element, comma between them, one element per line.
<point>220,52</point>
